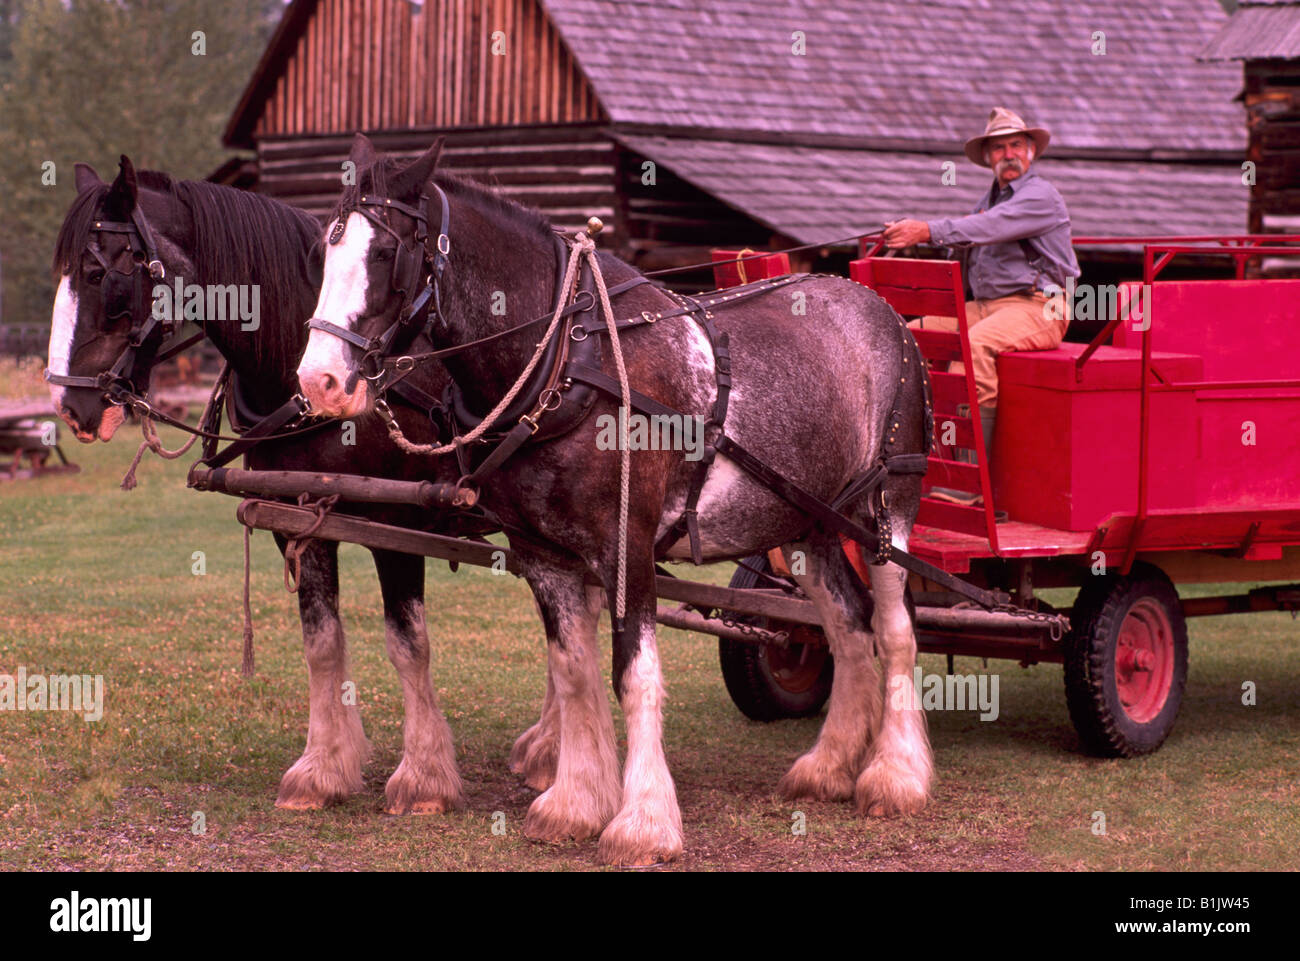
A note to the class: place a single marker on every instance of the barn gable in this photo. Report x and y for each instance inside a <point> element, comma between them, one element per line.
<point>335,66</point>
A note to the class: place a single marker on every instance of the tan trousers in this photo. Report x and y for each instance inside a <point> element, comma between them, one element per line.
<point>1014,322</point>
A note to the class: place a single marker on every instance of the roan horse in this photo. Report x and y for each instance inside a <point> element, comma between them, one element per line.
<point>211,235</point>
<point>819,383</point>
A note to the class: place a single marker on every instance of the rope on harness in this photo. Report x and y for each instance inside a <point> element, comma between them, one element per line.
<point>247,667</point>
<point>588,247</point>
<point>461,440</point>
<point>154,443</point>
<point>297,544</point>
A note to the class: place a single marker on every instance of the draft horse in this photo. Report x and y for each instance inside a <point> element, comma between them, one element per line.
<point>102,348</point>
<point>816,376</point>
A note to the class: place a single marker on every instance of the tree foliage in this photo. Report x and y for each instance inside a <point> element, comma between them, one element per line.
<point>88,80</point>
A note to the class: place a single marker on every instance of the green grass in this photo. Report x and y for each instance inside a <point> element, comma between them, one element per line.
<point>95,580</point>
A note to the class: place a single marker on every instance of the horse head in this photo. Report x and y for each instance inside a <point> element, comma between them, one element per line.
<point>384,243</point>
<point>112,249</point>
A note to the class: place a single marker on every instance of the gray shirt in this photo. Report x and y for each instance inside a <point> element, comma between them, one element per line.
<point>1027,208</point>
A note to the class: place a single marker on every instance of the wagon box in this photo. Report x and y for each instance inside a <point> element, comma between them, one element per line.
<point>1065,444</point>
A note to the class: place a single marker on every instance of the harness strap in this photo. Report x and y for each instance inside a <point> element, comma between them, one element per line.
<point>837,522</point>
<point>292,409</point>
<point>695,305</point>
<point>800,498</point>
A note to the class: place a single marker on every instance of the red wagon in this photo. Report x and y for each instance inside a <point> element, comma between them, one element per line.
<point>1164,452</point>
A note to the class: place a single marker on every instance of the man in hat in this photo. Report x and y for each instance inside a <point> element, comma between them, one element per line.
<point>1016,251</point>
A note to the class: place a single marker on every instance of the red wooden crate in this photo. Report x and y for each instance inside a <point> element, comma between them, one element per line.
<point>747,266</point>
<point>1067,451</point>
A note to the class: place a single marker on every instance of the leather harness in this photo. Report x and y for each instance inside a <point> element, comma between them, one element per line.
<point>565,384</point>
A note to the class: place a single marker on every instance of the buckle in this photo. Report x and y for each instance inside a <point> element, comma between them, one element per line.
<point>444,244</point>
<point>531,422</point>
<point>546,398</point>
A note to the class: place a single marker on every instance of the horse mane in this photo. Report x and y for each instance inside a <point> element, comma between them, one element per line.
<point>239,237</point>
<point>377,177</point>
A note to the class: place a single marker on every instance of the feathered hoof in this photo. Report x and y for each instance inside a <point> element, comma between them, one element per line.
<point>814,778</point>
<point>640,838</point>
<point>559,817</point>
<point>536,755</point>
<point>411,791</point>
<point>316,781</point>
<point>519,751</point>
<point>889,789</point>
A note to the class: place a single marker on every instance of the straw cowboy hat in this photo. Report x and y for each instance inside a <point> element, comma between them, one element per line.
<point>1002,122</point>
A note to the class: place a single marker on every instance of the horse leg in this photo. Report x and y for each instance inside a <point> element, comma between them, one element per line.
<point>827,771</point>
<point>648,827</point>
<point>536,752</point>
<point>897,777</point>
<point>330,767</point>
<point>585,793</point>
<point>426,781</point>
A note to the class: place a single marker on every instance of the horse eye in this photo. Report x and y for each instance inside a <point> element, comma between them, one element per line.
<point>95,277</point>
<point>385,254</point>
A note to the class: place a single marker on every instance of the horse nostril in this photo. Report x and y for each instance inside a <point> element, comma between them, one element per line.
<point>328,384</point>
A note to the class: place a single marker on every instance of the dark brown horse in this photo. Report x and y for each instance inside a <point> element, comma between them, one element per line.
<point>817,367</point>
<point>208,235</point>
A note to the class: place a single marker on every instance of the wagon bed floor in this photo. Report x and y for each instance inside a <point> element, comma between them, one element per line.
<point>953,550</point>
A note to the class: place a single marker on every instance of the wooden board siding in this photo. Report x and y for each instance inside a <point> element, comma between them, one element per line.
<point>390,64</point>
<point>1272,99</point>
<point>568,173</point>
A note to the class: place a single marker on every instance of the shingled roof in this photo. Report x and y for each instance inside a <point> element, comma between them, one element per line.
<point>1258,30</point>
<point>820,194</point>
<point>922,73</point>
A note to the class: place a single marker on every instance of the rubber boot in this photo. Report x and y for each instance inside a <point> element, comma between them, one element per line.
<point>962,455</point>
<point>988,418</point>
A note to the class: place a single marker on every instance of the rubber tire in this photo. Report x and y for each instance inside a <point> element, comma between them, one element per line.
<point>1090,688</point>
<point>748,676</point>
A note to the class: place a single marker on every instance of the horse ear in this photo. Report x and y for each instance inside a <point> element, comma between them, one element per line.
<point>421,168</point>
<point>86,178</point>
<point>122,195</point>
<point>363,152</point>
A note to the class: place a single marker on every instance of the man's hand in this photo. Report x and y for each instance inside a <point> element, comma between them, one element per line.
<point>906,233</point>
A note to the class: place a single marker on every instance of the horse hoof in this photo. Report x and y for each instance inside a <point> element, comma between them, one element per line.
<point>316,781</point>
<point>437,806</point>
<point>887,790</point>
<point>538,762</point>
<point>554,818</point>
<point>412,792</point>
<point>299,804</point>
<point>812,778</point>
<point>636,840</point>
<point>519,750</point>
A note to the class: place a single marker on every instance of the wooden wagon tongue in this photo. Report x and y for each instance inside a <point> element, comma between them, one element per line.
<point>374,490</point>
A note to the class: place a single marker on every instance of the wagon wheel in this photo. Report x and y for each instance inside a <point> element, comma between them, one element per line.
<point>1126,662</point>
<point>769,682</point>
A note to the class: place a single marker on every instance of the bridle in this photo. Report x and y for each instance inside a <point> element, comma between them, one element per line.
<point>119,382</point>
<point>420,308</point>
